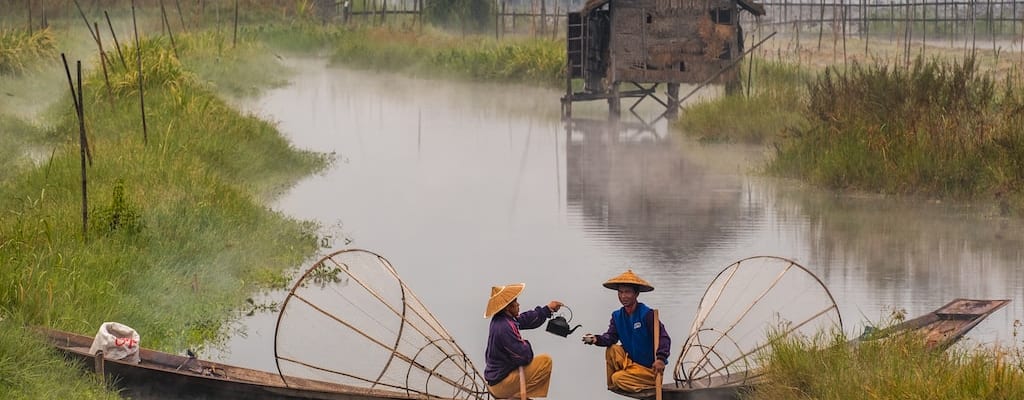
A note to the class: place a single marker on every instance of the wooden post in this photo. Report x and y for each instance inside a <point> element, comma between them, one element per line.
<point>543,17</point>
<point>177,4</point>
<point>142,98</point>
<point>103,56</point>
<point>821,23</point>
<point>30,16</point>
<point>234,35</point>
<point>163,16</point>
<point>116,43</point>
<point>657,336</point>
<point>86,20</point>
<point>83,149</point>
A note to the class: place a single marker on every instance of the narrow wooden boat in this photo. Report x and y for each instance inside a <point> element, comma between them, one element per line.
<point>940,329</point>
<point>946,325</point>
<point>164,375</point>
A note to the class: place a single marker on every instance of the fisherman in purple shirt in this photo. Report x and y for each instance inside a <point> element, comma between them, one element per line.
<point>507,351</point>
<point>635,365</point>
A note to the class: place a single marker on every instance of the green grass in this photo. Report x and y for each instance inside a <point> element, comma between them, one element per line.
<point>899,367</point>
<point>773,107</point>
<point>530,61</point>
<point>19,50</point>
<point>936,129</point>
<point>180,234</point>
<point>432,53</point>
<point>29,370</point>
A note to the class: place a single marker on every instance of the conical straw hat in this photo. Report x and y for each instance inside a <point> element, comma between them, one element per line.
<point>501,296</point>
<point>629,278</point>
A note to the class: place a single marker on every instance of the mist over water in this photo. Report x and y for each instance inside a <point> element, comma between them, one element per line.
<point>464,186</point>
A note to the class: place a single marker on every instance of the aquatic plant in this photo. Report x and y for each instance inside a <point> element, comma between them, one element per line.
<point>937,129</point>
<point>20,50</point>
<point>777,96</point>
<point>531,61</point>
<point>900,367</point>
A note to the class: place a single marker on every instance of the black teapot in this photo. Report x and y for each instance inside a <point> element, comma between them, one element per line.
<point>560,326</point>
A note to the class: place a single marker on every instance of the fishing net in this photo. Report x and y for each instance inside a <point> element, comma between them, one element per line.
<point>351,320</point>
<point>748,306</point>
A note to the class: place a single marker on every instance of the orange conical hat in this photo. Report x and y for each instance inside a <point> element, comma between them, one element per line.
<point>629,278</point>
<point>501,296</point>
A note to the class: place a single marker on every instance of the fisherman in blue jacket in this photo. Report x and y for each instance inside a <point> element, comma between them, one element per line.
<point>506,348</point>
<point>633,365</point>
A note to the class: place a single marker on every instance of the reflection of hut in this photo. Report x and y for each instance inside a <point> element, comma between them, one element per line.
<point>653,41</point>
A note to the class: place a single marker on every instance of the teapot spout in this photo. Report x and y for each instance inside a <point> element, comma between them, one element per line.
<point>574,329</point>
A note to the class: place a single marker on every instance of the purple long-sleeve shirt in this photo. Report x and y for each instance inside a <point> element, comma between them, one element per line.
<point>506,349</point>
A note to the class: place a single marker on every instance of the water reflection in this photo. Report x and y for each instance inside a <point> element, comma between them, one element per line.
<point>464,186</point>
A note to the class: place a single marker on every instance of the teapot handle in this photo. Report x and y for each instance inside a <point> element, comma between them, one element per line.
<point>570,312</point>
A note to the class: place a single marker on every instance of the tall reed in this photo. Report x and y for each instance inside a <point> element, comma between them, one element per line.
<point>19,50</point>
<point>900,367</point>
<point>774,106</point>
<point>936,129</point>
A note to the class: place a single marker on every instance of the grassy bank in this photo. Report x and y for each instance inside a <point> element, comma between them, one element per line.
<point>432,53</point>
<point>179,234</point>
<point>896,368</point>
<point>938,129</point>
<point>777,94</point>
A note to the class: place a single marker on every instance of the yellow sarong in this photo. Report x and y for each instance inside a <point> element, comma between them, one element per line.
<point>625,374</point>
<point>538,378</point>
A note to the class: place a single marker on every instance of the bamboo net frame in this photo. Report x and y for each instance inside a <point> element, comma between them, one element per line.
<point>728,332</point>
<point>350,319</point>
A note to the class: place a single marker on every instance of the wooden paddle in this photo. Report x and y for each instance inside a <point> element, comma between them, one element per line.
<point>522,384</point>
<point>657,335</point>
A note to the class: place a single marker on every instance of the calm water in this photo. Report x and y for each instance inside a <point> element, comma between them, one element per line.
<point>464,186</point>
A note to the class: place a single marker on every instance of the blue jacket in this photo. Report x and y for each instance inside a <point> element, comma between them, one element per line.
<point>636,332</point>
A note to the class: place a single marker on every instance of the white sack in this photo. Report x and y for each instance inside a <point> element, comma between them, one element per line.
<point>118,342</point>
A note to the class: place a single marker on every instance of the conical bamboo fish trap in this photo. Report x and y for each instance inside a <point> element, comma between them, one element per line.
<point>350,319</point>
<point>746,308</point>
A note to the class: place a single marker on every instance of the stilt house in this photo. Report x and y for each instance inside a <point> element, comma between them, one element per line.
<point>655,41</point>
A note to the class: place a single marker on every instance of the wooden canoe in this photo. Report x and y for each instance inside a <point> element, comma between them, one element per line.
<point>946,325</point>
<point>940,329</point>
<point>164,375</point>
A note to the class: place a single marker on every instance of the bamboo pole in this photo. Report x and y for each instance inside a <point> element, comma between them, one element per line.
<point>138,57</point>
<point>821,23</point>
<point>657,335</point>
<point>867,32</point>
<point>103,57</point>
<point>117,45</point>
<point>83,145</point>
<point>234,36</point>
<point>163,17</point>
<point>522,384</point>
<point>86,20</point>
<point>177,4</point>
<point>76,102</point>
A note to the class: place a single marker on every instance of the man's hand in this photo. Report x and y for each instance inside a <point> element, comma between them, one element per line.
<point>659,367</point>
<point>554,305</point>
<point>591,339</point>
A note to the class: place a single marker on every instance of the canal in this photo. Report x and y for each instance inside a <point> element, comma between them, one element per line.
<point>463,186</point>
